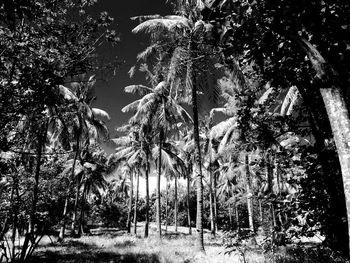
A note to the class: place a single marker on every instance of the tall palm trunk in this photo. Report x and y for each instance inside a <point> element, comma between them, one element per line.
<point>131,194</point>
<point>159,225</point>
<point>188,204</point>
<point>76,203</point>
<point>136,201</point>
<point>65,209</point>
<point>336,231</point>
<point>230,215</point>
<point>147,196</point>
<point>338,115</point>
<point>64,217</point>
<point>249,194</point>
<point>81,219</point>
<point>73,233</point>
<point>197,165</point>
<point>167,205</point>
<point>237,217</point>
<point>175,204</point>
<point>211,202</point>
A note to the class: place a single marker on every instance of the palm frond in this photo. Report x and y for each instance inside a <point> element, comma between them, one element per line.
<point>66,93</point>
<point>139,89</point>
<point>100,114</point>
<point>291,99</point>
<point>168,23</point>
<point>144,55</point>
<point>132,106</point>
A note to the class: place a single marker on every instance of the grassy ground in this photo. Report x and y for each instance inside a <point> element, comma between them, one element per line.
<point>111,245</point>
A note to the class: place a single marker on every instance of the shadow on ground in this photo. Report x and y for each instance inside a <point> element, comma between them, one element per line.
<point>91,257</point>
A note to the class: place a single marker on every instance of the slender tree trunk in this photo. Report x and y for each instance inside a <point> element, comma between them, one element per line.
<point>63,222</point>
<point>30,234</point>
<point>188,204</point>
<point>136,201</point>
<point>338,115</point>
<point>77,150</point>
<point>260,211</point>
<point>230,215</point>
<point>175,204</point>
<point>166,205</point>
<point>211,202</point>
<point>249,194</point>
<point>237,217</point>
<point>147,197</point>
<point>81,219</point>
<point>131,194</point>
<point>159,222</point>
<point>197,167</point>
<point>75,213</point>
<point>215,202</point>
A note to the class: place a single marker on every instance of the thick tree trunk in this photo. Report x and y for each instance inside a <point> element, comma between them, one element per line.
<point>175,203</point>
<point>249,194</point>
<point>131,194</point>
<point>336,230</point>
<point>338,116</point>
<point>159,222</point>
<point>188,204</point>
<point>136,201</point>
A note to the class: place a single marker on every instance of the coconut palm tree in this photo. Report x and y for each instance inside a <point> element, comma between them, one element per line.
<point>190,33</point>
<point>159,109</point>
<point>87,126</point>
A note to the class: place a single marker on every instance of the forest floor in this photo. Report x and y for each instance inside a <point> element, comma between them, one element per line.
<point>112,245</point>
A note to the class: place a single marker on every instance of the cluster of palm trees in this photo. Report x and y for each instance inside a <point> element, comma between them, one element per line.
<point>69,129</point>
<point>187,73</point>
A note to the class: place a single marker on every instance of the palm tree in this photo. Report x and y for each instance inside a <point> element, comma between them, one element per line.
<point>190,52</point>
<point>87,126</point>
<point>161,110</point>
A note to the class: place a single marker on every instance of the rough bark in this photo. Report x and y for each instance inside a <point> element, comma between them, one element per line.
<point>336,227</point>
<point>197,165</point>
<point>338,115</point>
